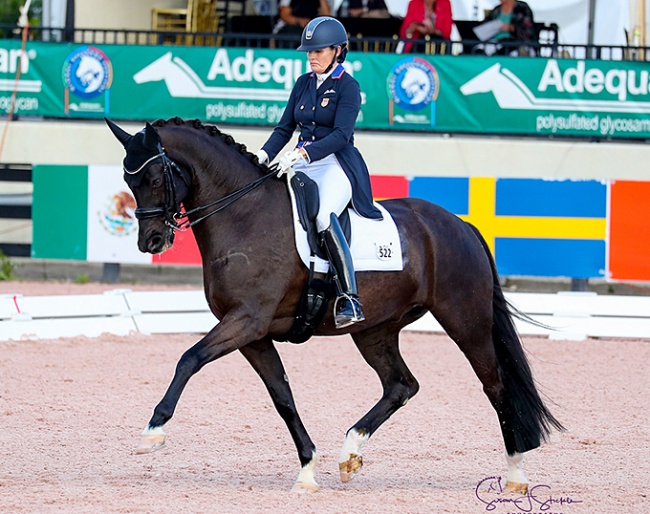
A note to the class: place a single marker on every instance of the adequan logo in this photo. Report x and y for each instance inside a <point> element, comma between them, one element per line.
<point>510,92</point>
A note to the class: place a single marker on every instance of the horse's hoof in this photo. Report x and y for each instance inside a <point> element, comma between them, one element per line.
<point>516,487</point>
<point>350,468</point>
<point>304,487</point>
<point>152,439</point>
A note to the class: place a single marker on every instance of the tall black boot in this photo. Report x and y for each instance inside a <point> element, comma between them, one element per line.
<point>347,307</point>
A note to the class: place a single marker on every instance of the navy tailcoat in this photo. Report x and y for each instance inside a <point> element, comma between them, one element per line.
<point>326,118</point>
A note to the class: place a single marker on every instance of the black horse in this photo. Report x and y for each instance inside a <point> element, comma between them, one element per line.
<point>253,279</point>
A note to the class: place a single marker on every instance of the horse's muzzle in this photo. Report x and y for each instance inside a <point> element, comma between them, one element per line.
<point>156,242</point>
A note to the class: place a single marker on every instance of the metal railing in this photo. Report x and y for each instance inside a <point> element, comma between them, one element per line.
<point>427,46</point>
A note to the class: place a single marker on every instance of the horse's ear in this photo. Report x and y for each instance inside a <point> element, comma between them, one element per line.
<point>151,136</point>
<point>122,135</point>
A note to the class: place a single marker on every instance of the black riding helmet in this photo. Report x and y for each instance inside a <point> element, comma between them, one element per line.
<point>323,32</point>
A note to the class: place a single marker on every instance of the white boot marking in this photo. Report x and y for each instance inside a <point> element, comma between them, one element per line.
<point>516,481</point>
<point>351,461</point>
<point>306,482</point>
<point>353,444</point>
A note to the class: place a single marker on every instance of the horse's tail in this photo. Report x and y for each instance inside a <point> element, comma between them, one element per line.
<point>530,419</point>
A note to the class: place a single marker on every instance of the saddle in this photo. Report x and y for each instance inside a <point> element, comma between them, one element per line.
<point>305,191</point>
<point>317,292</point>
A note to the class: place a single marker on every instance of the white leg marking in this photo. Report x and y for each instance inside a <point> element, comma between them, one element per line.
<point>152,439</point>
<point>350,461</point>
<point>306,482</point>
<point>516,480</point>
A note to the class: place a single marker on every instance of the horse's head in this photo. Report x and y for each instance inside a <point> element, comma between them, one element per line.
<point>157,183</point>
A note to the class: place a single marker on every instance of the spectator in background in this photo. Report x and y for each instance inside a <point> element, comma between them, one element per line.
<point>368,9</point>
<point>517,24</point>
<point>427,18</point>
<point>294,15</point>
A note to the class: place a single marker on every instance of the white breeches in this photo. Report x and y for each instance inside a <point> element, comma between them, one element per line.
<point>334,189</point>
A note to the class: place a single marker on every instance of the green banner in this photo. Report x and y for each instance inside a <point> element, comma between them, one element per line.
<point>250,86</point>
<point>59,209</point>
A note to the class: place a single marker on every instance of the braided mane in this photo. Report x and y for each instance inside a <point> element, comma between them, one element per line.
<point>213,131</point>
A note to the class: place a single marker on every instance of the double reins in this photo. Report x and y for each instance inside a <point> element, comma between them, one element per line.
<point>171,212</point>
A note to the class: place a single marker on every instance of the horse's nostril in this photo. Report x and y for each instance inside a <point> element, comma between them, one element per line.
<point>156,243</point>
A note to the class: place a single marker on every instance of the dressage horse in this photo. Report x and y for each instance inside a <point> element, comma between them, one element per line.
<point>253,279</point>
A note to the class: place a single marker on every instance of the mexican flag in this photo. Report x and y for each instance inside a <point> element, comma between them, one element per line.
<point>86,213</point>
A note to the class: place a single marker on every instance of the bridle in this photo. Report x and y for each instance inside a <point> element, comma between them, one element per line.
<point>171,212</point>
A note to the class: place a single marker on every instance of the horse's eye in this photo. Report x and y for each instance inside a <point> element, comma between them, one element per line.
<point>156,182</point>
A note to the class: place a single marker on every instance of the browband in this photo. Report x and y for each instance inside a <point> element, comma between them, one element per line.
<point>129,172</point>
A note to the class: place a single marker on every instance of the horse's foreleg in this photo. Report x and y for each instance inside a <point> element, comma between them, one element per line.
<point>264,359</point>
<point>226,337</point>
<point>380,349</point>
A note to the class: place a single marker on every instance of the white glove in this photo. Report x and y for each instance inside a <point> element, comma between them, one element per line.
<point>262,157</point>
<point>286,162</point>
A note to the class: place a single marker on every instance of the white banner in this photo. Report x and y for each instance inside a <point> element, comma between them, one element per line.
<point>112,227</point>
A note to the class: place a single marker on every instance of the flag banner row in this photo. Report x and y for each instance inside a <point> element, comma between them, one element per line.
<point>534,227</point>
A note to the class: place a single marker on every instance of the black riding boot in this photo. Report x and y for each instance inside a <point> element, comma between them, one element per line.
<point>347,307</point>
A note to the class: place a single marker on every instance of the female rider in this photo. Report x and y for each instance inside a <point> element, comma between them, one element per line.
<point>324,106</point>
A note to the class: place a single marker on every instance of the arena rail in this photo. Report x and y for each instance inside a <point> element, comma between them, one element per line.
<point>250,35</point>
<point>567,315</point>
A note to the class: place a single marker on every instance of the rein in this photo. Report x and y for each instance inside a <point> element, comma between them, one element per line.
<point>222,203</point>
<point>171,212</point>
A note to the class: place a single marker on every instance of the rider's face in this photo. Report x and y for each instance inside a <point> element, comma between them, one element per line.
<point>319,60</point>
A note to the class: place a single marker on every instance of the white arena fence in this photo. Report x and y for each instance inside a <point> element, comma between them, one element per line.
<point>573,315</point>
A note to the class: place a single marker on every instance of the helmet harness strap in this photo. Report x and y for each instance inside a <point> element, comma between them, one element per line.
<point>338,56</point>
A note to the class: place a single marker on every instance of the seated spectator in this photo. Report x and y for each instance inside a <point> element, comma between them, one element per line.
<point>294,15</point>
<point>368,9</point>
<point>427,18</point>
<point>517,24</point>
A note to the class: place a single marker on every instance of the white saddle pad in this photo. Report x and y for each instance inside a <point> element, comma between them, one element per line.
<point>375,243</point>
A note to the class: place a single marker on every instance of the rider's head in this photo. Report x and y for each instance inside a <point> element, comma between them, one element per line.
<point>325,32</point>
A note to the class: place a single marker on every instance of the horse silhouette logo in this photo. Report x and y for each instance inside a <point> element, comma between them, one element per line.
<point>413,84</point>
<point>87,72</point>
<point>510,92</point>
<point>182,81</point>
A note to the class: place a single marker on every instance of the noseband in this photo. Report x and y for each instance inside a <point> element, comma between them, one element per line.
<point>171,211</point>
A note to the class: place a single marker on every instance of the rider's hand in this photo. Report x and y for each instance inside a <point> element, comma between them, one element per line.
<point>262,157</point>
<point>286,162</point>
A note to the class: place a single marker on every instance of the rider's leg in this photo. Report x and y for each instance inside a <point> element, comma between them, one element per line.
<point>347,308</point>
<point>335,194</point>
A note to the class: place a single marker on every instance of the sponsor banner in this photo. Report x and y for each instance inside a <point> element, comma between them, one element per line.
<point>534,96</point>
<point>573,228</point>
<point>546,97</point>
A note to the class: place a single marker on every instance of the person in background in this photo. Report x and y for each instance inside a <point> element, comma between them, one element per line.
<point>294,15</point>
<point>324,106</point>
<point>427,18</point>
<point>517,24</point>
<point>368,9</point>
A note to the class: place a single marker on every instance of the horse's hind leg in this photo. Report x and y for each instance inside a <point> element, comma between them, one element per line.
<point>480,353</point>
<point>264,359</point>
<point>380,349</point>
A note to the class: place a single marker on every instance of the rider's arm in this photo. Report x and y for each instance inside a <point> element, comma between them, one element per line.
<point>285,128</point>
